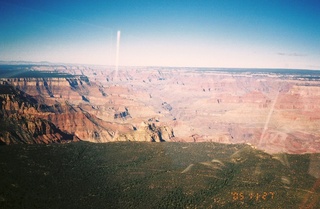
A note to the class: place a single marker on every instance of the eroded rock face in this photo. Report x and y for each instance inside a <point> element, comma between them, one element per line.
<point>19,122</point>
<point>275,112</point>
<point>53,115</point>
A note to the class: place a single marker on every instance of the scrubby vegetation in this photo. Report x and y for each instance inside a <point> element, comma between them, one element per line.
<point>153,175</point>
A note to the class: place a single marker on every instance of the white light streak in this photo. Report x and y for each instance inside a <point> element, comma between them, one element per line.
<point>117,53</point>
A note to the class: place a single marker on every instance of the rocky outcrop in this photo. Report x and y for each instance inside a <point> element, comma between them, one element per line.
<point>272,111</point>
<point>30,130</point>
<point>38,119</point>
<point>122,115</point>
<point>20,124</point>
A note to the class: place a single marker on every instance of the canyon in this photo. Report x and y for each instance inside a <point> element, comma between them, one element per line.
<point>272,110</point>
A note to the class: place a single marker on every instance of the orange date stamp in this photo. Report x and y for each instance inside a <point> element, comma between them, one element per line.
<point>255,196</point>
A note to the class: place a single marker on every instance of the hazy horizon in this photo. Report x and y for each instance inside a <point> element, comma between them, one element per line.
<point>214,34</point>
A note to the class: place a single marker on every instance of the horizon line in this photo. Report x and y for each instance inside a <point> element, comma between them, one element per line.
<point>21,62</point>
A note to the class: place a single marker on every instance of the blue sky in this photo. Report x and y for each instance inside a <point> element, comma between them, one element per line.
<point>267,34</point>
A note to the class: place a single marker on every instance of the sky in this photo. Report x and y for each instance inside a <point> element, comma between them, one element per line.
<point>188,33</point>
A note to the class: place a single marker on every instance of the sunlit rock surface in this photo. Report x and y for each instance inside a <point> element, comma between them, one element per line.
<point>275,110</point>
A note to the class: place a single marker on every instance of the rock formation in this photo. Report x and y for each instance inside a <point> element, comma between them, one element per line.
<point>274,111</point>
<point>20,124</point>
<point>45,110</point>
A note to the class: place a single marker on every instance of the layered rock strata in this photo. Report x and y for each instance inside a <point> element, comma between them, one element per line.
<point>278,111</point>
<point>46,110</point>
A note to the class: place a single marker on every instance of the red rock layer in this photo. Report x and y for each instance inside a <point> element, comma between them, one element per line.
<point>273,112</point>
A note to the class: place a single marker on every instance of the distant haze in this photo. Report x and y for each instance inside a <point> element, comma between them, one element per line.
<point>231,33</point>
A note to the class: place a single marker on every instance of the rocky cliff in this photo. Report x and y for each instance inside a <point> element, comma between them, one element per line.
<point>274,111</point>
<point>45,110</point>
<point>20,124</point>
